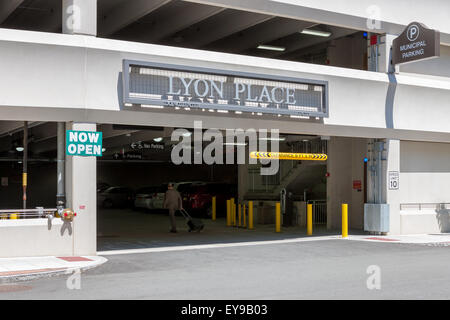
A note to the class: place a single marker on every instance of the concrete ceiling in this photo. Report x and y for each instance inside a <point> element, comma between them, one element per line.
<point>176,23</point>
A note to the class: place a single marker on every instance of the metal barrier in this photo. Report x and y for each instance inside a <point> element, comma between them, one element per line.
<point>319,208</point>
<point>27,213</point>
<point>424,206</point>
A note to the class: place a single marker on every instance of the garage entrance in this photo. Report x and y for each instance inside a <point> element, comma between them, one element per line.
<point>136,166</point>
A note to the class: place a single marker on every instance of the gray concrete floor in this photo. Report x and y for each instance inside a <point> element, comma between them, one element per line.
<point>131,229</point>
<point>329,269</point>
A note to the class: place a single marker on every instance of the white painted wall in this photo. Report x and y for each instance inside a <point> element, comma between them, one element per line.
<point>31,237</point>
<point>425,172</point>
<point>78,78</point>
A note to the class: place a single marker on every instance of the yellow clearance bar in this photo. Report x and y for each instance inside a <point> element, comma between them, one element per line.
<point>288,156</point>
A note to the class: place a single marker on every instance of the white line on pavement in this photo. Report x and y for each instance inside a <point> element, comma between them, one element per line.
<point>216,245</point>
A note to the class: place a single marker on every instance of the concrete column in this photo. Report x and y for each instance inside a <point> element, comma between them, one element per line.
<point>79,17</point>
<point>385,52</point>
<point>392,196</point>
<point>345,165</point>
<point>81,186</point>
<point>339,166</point>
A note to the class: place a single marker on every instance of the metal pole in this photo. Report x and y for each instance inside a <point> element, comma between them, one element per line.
<point>25,164</point>
<point>60,174</point>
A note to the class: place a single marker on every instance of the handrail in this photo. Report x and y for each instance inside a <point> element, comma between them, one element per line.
<point>38,212</point>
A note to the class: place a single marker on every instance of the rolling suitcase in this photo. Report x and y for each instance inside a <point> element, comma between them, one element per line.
<point>193,224</point>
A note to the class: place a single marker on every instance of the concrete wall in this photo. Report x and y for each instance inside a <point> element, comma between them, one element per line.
<point>32,237</point>
<point>79,78</point>
<point>348,52</point>
<point>345,164</point>
<point>424,179</point>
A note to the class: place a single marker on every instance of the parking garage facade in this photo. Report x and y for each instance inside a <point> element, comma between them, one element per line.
<point>281,77</point>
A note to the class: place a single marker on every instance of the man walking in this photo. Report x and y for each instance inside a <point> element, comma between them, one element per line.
<point>173,202</point>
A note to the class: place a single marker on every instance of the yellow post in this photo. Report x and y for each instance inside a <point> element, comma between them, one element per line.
<point>309,220</point>
<point>232,212</point>
<point>277,217</point>
<point>213,215</point>
<point>228,213</point>
<point>13,216</point>
<point>250,215</point>
<point>245,218</point>
<point>344,220</point>
<point>239,215</point>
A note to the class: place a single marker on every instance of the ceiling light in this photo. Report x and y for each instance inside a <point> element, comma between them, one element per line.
<point>272,48</point>
<point>103,149</point>
<point>20,149</point>
<point>159,139</point>
<point>273,139</point>
<point>187,134</point>
<point>234,144</point>
<point>317,33</point>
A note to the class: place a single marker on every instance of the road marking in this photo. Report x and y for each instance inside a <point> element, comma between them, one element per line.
<point>216,245</point>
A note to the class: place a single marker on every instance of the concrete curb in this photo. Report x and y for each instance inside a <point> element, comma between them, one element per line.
<point>51,272</point>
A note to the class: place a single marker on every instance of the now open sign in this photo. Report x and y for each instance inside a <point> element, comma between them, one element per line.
<point>83,143</point>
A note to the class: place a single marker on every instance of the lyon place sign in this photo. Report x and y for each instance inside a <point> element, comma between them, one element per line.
<point>416,42</point>
<point>182,87</point>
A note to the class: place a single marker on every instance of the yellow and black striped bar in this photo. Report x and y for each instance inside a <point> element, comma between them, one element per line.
<point>288,156</point>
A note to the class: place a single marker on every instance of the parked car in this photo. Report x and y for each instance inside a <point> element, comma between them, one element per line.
<point>116,197</point>
<point>144,196</point>
<point>158,199</point>
<point>198,198</point>
<point>102,186</point>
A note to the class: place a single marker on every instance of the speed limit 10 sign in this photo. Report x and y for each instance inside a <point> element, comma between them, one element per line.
<point>394,179</point>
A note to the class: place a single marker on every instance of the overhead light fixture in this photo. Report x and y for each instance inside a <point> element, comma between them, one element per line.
<point>269,47</point>
<point>273,139</point>
<point>20,149</point>
<point>234,144</point>
<point>103,149</point>
<point>317,33</point>
<point>159,139</point>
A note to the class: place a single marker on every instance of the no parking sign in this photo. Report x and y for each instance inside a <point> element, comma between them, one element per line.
<point>84,143</point>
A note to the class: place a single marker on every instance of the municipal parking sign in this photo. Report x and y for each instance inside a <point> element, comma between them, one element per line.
<point>84,143</point>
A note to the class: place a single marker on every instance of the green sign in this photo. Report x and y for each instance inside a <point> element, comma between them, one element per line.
<point>83,143</point>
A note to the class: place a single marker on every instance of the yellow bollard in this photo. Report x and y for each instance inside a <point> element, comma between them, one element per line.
<point>250,215</point>
<point>344,220</point>
<point>232,212</point>
<point>13,216</point>
<point>277,217</point>
<point>3,216</point>
<point>213,215</point>
<point>243,215</point>
<point>228,213</point>
<point>239,215</point>
<point>309,220</point>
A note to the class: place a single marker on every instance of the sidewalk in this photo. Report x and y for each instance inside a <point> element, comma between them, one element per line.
<point>28,268</point>
<point>426,239</point>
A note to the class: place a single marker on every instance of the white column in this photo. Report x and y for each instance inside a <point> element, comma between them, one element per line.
<point>80,17</point>
<point>81,186</point>
<point>393,196</point>
<point>384,52</point>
